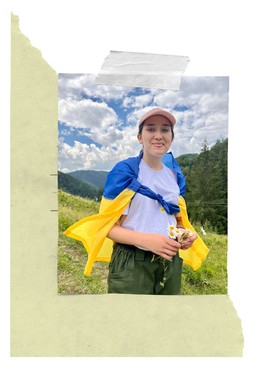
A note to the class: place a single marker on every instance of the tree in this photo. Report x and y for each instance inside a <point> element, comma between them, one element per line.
<point>207,187</point>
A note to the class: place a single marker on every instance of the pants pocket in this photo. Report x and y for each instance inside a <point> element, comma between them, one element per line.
<point>121,270</point>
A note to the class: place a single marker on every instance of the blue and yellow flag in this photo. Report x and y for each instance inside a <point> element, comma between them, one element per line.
<point>121,185</point>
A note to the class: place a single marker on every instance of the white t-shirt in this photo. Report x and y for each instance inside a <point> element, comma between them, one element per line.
<point>145,214</point>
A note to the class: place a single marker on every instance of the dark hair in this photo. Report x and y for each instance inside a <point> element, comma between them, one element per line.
<point>142,124</point>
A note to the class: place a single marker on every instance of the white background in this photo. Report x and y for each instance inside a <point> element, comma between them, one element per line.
<point>75,37</point>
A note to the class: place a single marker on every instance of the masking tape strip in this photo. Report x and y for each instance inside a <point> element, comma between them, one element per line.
<point>136,69</point>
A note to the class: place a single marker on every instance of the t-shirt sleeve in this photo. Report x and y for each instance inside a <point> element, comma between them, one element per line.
<point>126,211</point>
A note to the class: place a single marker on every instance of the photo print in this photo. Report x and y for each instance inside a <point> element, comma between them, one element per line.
<point>98,127</point>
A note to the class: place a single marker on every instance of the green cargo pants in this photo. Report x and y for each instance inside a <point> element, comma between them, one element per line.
<point>136,271</point>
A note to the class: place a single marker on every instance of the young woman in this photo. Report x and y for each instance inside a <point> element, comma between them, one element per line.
<point>142,196</point>
<point>142,231</point>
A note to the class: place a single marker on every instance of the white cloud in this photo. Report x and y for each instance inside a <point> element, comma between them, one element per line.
<point>200,108</point>
<point>84,156</point>
<point>86,114</point>
<point>99,121</point>
<point>105,136</point>
<point>207,118</point>
<point>166,99</point>
<point>73,86</point>
<point>138,101</point>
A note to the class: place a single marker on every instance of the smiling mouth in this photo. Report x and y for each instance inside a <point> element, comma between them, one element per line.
<point>158,145</point>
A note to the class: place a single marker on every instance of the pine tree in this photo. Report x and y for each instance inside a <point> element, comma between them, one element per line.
<point>207,187</point>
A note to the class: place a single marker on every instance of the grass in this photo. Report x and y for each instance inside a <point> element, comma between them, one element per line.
<point>211,278</point>
<point>71,254</point>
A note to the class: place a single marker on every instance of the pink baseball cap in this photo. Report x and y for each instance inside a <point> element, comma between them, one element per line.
<point>158,111</point>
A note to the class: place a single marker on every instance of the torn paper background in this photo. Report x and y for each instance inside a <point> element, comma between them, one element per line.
<point>35,289</point>
<point>212,52</point>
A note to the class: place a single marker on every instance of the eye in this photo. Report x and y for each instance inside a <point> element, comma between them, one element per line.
<point>151,129</point>
<point>166,129</point>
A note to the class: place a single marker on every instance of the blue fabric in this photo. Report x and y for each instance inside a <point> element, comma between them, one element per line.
<point>125,173</point>
<point>169,161</point>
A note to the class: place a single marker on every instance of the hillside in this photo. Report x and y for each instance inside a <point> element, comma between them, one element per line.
<point>73,186</point>
<point>211,278</point>
<point>94,178</point>
<point>206,178</point>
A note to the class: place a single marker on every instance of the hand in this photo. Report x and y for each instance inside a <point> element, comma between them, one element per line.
<point>161,245</point>
<point>188,241</point>
<point>157,243</point>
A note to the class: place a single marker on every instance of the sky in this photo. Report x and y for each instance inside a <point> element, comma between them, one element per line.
<point>98,124</point>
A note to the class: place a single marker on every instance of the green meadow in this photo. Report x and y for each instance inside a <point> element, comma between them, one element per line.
<point>211,278</point>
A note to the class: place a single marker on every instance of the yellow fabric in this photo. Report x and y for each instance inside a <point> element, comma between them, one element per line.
<point>197,253</point>
<point>93,230</point>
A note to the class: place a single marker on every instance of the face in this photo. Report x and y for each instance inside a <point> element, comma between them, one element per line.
<point>156,136</point>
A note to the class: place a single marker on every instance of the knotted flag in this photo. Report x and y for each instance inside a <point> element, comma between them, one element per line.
<point>120,187</point>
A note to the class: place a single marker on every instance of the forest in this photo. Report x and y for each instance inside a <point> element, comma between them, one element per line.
<point>206,196</point>
<point>206,178</point>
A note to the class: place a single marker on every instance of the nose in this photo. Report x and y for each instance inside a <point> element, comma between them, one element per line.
<point>158,135</point>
